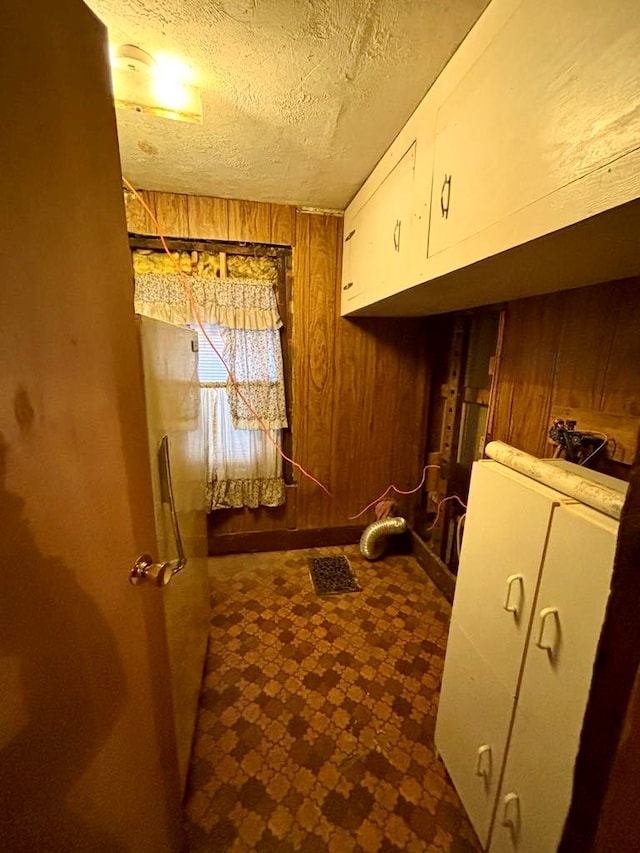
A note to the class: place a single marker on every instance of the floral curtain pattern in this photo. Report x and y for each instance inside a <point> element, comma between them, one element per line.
<point>244,467</point>
<point>255,360</point>
<point>238,303</point>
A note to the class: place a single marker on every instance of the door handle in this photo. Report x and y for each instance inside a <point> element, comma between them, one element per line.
<point>513,608</point>
<point>396,235</point>
<point>444,207</point>
<point>544,615</point>
<point>144,568</point>
<point>483,767</point>
<point>511,814</point>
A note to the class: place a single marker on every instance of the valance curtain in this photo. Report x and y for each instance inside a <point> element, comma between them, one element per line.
<point>244,467</point>
<point>237,303</point>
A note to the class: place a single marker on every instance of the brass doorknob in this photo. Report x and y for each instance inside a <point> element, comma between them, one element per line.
<point>145,569</point>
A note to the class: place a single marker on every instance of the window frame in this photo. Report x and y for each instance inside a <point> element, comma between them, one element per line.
<point>283,257</point>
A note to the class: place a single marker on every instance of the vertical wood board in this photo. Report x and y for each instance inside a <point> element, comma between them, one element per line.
<point>208,218</point>
<point>249,221</point>
<point>171,213</point>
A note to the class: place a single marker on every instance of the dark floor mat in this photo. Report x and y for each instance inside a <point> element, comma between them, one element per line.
<point>332,575</point>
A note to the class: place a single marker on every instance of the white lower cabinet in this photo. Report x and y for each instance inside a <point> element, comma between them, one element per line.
<point>538,777</point>
<point>530,599</point>
<point>474,716</point>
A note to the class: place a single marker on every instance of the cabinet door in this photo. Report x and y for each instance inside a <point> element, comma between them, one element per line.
<point>505,532</point>
<point>377,238</point>
<point>569,612</point>
<point>474,715</point>
<point>553,98</point>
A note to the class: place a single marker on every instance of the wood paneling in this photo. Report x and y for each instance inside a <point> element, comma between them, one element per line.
<point>211,218</point>
<point>249,220</point>
<point>315,313</point>
<point>171,213</point>
<point>208,218</point>
<point>283,540</point>
<point>580,369</point>
<point>283,225</point>
<point>359,395</point>
<point>575,354</point>
<point>138,220</point>
<point>621,391</point>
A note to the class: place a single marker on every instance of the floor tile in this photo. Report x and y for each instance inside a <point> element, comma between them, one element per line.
<point>315,730</point>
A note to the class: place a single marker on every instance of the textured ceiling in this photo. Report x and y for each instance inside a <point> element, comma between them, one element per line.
<point>300,97</point>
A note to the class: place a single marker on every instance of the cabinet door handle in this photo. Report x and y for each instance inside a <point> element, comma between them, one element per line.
<point>347,286</point>
<point>545,613</point>
<point>483,767</point>
<point>444,206</point>
<point>396,235</point>
<point>511,813</point>
<point>349,235</point>
<point>508,606</point>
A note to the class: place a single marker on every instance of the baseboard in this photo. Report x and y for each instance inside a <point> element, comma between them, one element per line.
<point>434,567</point>
<point>282,540</point>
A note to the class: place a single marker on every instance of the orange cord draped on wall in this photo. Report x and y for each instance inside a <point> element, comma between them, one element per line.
<point>232,379</point>
<point>194,308</point>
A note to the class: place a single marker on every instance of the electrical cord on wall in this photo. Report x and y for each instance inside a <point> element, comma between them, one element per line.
<point>185,283</point>
<point>443,501</point>
<point>605,439</point>
<point>194,308</point>
<point>459,532</point>
<point>398,491</point>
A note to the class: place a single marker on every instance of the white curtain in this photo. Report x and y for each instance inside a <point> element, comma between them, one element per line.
<point>244,467</point>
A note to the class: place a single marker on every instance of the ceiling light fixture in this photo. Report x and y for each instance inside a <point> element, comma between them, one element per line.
<point>158,87</point>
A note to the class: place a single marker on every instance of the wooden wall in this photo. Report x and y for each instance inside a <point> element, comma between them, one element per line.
<point>359,387</point>
<point>572,354</point>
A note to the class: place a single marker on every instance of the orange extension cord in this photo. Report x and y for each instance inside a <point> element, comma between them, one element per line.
<point>232,379</point>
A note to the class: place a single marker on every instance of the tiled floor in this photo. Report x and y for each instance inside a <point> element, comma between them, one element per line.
<point>317,714</point>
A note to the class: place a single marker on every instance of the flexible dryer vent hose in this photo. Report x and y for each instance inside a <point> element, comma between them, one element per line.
<point>373,541</point>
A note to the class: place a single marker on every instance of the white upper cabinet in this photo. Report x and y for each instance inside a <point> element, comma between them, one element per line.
<point>553,98</point>
<point>526,166</point>
<point>377,236</point>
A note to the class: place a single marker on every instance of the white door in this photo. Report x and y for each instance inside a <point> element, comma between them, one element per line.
<point>377,238</point>
<point>172,392</point>
<point>87,751</point>
<point>474,716</point>
<point>574,589</point>
<point>495,590</point>
<point>553,98</point>
<point>500,563</point>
